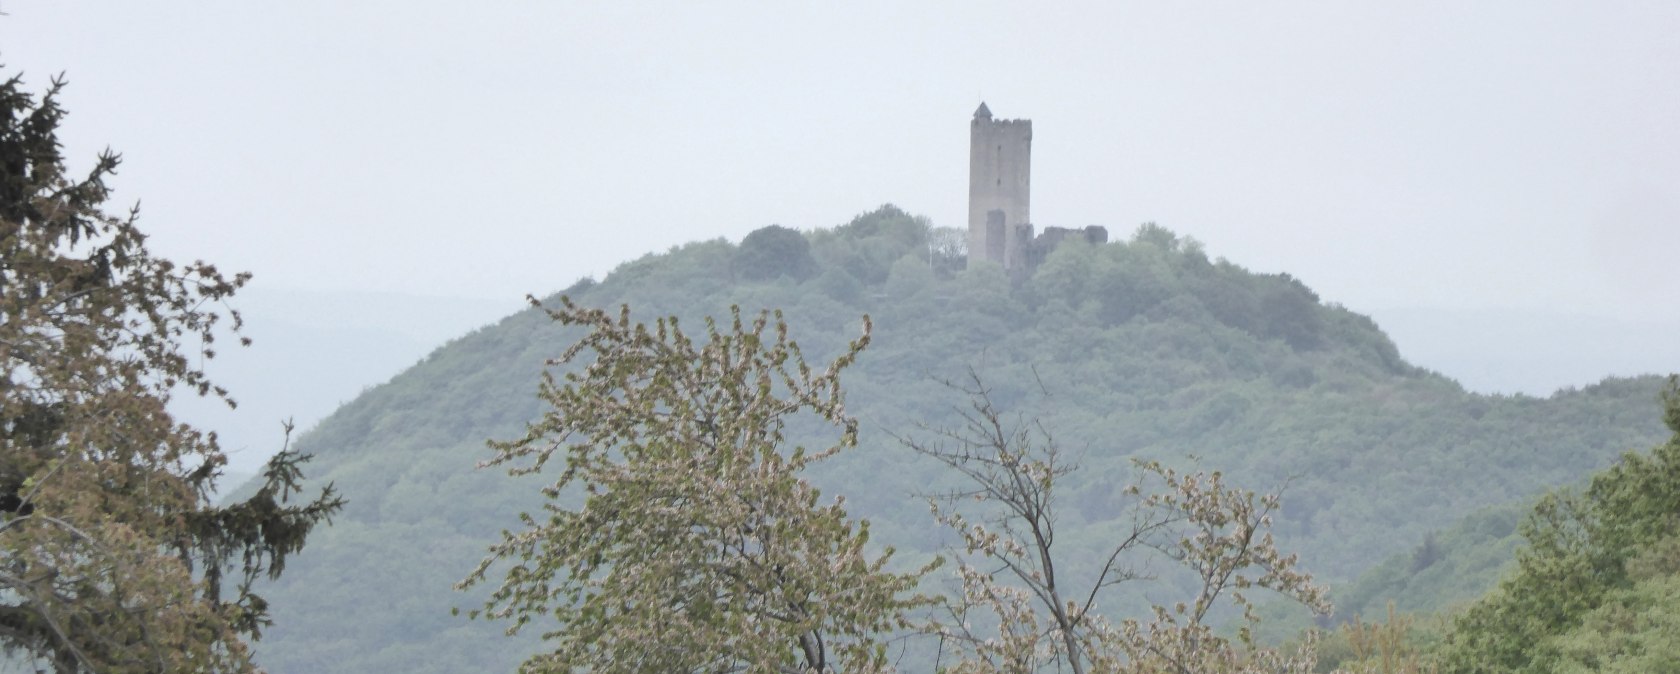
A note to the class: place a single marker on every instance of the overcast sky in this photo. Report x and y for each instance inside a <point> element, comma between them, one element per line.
<point>1458,155</point>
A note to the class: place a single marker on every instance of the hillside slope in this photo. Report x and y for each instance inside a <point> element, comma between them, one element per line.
<point>1145,348</point>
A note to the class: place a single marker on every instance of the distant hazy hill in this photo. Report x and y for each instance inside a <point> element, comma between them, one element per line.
<point>1144,348</point>
<point>312,352</point>
<point>1529,351</point>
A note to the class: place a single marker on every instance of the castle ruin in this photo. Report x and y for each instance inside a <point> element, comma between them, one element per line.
<point>999,197</point>
<point>999,186</point>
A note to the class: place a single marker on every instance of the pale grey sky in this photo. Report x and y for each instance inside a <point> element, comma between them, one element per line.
<point>1512,156</point>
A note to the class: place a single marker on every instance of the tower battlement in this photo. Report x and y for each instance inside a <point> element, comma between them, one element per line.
<point>1005,123</point>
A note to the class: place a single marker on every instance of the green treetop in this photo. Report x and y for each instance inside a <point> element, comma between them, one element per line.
<point>698,547</point>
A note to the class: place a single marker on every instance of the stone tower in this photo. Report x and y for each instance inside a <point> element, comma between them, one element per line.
<point>999,180</point>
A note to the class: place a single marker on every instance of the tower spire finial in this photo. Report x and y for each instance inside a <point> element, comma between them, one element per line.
<point>983,111</point>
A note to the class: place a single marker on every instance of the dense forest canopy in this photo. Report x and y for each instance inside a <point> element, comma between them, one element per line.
<point>1141,348</point>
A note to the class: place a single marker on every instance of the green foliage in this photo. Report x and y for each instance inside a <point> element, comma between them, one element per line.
<point>112,557</point>
<point>1634,628</point>
<point>1454,566</point>
<point>840,285</point>
<point>696,532</point>
<point>1395,646</point>
<point>1137,356</point>
<point>1594,586</point>
<point>867,246</point>
<point>772,252</point>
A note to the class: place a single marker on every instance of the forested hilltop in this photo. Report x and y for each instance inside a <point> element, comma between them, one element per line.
<point>1144,348</point>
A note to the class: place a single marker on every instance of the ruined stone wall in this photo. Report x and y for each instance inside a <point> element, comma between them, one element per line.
<point>1040,247</point>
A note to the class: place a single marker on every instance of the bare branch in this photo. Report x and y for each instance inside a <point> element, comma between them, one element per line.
<point>1013,467</point>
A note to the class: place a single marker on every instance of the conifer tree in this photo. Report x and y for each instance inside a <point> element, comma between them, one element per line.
<point>113,558</point>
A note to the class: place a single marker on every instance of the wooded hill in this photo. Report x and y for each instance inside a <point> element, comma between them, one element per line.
<point>1144,348</point>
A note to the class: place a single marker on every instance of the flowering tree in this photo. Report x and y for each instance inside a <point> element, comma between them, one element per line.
<point>697,547</point>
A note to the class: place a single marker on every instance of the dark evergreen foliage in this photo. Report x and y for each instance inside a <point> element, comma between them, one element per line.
<point>112,556</point>
<point>772,252</point>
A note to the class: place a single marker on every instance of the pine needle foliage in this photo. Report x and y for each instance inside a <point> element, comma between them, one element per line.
<point>112,557</point>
